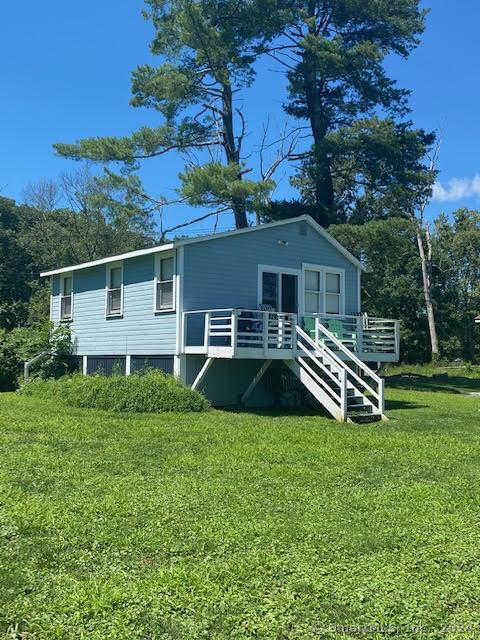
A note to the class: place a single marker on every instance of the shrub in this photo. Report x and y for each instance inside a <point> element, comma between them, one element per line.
<point>17,346</point>
<point>151,392</point>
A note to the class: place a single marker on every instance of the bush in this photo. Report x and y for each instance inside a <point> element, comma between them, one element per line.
<point>17,346</point>
<point>151,392</point>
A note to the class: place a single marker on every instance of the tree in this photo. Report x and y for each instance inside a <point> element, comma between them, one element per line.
<point>456,281</point>
<point>333,52</point>
<point>208,49</point>
<point>80,217</point>
<point>391,286</point>
<point>16,265</point>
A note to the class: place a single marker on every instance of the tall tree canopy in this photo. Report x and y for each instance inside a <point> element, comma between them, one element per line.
<point>365,160</point>
<point>207,50</point>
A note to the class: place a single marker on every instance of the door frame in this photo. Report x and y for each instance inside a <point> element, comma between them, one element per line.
<point>262,268</point>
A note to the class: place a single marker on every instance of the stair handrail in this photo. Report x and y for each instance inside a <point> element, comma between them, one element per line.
<point>328,353</point>
<point>28,363</point>
<point>348,352</point>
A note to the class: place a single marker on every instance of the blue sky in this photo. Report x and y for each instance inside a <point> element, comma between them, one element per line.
<point>66,67</point>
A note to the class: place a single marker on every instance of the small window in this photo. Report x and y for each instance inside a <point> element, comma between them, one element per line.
<point>313,291</point>
<point>114,290</point>
<point>333,293</point>
<point>165,284</point>
<point>66,297</point>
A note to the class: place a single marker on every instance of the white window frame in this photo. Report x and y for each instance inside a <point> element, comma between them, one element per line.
<point>63,277</point>
<point>266,268</point>
<point>109,266</point>
<point>158,258</point>
<point>323,270</point>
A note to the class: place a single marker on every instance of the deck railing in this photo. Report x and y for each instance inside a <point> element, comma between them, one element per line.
<point>270,333</point>
<point>365,336</point>
<point>219,329</point>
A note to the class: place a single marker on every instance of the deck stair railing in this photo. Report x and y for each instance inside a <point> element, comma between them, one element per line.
<point>345,386</point>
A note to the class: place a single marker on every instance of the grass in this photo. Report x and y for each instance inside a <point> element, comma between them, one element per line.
<point>240,525</point>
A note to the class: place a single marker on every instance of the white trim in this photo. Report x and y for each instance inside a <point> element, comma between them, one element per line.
<point>156,280</point>
<point>323,270</point>
<point>178,243</point>
<point>68,274</point>
<point>117,258</point>
<point>51,301</point>
<point>108,269</point>
<point>179,362</point>
<point>268,268</point>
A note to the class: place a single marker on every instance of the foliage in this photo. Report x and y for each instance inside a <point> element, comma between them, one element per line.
<point>18,346</point>
<point>359,165</point>
<point>151,392</point>
<point>391,286</point>
<point>239,525</point>
<point>62,359</point>
<point>456,247</point>
<point>15,266</point>
<point>207,50</point>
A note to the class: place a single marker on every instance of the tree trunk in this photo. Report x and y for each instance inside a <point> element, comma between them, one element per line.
<point>324,193</point>
<point>427,293</point>
<point>232,152</point>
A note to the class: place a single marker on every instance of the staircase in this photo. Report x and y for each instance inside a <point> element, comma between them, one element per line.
<point>337,378</point>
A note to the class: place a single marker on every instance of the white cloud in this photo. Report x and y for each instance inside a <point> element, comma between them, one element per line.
<point>457,189</point>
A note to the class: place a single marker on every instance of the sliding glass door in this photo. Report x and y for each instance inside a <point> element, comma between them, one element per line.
<point>280,291</point>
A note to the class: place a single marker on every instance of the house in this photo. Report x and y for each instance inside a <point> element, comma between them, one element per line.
<point>237,315</point>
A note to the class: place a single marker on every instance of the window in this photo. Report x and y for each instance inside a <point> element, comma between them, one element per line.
<point>323,290</point>
<point>165,284</point>
<point>66,297</point>
<point>313,291</point>
<point>114,290</point>
<point>333,293</point>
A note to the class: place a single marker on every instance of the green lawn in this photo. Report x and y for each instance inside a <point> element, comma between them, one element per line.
<point>240,525</point>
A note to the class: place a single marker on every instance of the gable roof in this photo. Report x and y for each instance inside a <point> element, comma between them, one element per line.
<point>216,236</point>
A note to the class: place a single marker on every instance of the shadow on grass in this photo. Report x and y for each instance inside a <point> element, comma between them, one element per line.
<point>403,404</point>
<point>442,383</point>
<point>278,412</point>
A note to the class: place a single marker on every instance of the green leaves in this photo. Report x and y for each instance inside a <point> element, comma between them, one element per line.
<point>215,183</point>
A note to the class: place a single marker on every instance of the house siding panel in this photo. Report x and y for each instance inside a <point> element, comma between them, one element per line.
<point>224,272</point>
<point>138,331</point>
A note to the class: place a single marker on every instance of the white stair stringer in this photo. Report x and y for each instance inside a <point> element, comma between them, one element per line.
<point>315,389</point>
<point>337,383</point>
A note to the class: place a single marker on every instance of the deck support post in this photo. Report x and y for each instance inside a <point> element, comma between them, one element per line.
<point>202,373</point>
<point>85,365</point>
<point>128,365</point>
<point>255,381</point>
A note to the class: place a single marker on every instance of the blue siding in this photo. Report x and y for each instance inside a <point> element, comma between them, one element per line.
<point>224,272</point>
<point>139,331</point>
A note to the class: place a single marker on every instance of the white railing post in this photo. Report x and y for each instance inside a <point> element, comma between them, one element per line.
<point>381,396</point>
<point>265,332</point>
<point>396,331</point>
<point>343,393</point>
<point>359,329</point>
<point>294,334</point>
<point>234,329</point>
<point>183,339</point>
<point>206,336</point>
